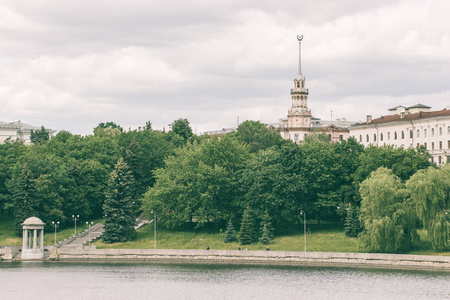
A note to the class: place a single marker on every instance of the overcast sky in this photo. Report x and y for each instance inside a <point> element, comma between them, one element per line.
<point>73,64</point>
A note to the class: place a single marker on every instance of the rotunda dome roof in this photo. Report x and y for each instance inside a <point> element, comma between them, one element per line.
<point>33,221</point>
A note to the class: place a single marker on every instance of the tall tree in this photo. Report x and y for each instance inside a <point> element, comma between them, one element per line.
<point>389,219</point>
<point>247,232</point>
<point>118,207</point>
<point>22,189</point>
<point>258,136</point>
<point>39,137</point>
<point>182,128</point>
<point>198,182</point>
<point>430,190</point>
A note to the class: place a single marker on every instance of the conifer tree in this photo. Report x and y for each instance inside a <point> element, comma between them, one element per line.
<point>118,207</point>
<point>21,187</point>
<point>247,232</point>
<point>230,233</point>
<point>266,229</point>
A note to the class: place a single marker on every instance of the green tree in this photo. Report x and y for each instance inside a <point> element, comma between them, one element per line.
<point>352,225</point>
<point>39,137</point>
<point>118,210</point>
<point>22,189</point>
<point>388,218</point>
<point>10,153</point>
<point>430,190</point>
<point>258,136</point>
<point>266,230</point>
<point>230,233</point>
<point>247,232</point>
<point>108,128</point>
<point>182,128</point>
<point>440,232</point>
<point>198,182</point>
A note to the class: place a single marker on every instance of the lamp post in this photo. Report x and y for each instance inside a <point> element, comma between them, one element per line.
<point>304,226</point>
<point>56,225</point>
<point>89,227</point>
<point>154,227</point>
<point>75,219</point>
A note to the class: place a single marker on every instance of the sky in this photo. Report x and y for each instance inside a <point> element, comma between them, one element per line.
<point>69,65</point>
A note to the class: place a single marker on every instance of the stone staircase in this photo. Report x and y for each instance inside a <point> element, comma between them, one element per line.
<point>83,238</point>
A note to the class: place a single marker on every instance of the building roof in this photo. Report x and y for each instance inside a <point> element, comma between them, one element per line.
<point>407,117</point>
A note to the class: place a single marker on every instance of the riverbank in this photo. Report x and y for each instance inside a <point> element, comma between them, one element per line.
<point>293,258</point>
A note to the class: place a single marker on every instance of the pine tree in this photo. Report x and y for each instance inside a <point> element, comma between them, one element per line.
<point>352,225</point>
<point>118,207</point>
<point>266,230</point>
<point>247,232</point>
<point>230,233</point>
<point>21,187</point>
<point>133,158</point>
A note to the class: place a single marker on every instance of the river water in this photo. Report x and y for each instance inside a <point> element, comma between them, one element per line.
<point>47,280</point>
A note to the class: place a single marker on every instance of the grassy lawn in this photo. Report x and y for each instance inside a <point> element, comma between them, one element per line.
<point>326,237</point>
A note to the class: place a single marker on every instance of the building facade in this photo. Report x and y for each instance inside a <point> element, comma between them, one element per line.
<point>19,131</point>
<point>409,127</point>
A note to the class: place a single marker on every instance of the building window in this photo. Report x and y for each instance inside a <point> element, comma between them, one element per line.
<point>425,144</point>
<point>424,133</point>
<point>448,145</point>
<point>296,137</point>
<point>448,130</point>
<point>389,136</point>
<point>403,135</point>
<point>440,145</point>
<point>418,133</point>
<point>360,138</point>
<point>374,137</point>
<point>411,134</point>
<point>440,159</point>
<point>367,138</point>
<point>418,145</point>
<point>381,136</point>
<point>440,130</point>
<point>298,84</point>
<point>395,135</point>
<point>432,146</point>
<point>432,131</point>
<point>341,138</point>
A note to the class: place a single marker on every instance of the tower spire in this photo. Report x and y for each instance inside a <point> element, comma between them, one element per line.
<point>299,38</point>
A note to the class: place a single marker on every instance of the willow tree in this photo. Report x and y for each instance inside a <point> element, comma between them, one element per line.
<point>430,190</point>
<point>388,217</point>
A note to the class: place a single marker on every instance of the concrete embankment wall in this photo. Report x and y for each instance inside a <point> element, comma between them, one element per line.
<point>370,260</point>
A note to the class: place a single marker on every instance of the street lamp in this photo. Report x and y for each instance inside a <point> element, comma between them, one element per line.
<point>75,218</point>
<point>56,225</point>
<point>89,227</point>
<point>154,227</point>
<point>304,225</point>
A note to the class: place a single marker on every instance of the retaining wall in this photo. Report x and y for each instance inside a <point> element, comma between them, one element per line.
<point>370,260</point>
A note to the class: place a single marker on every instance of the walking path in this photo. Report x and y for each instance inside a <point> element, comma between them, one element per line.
<point>96,231</point>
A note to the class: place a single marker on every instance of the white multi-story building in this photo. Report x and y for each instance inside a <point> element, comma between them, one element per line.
<point>19,131</point>
<point>409,127</point>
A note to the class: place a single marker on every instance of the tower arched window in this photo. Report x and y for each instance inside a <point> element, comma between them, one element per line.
<point>298,84</point>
